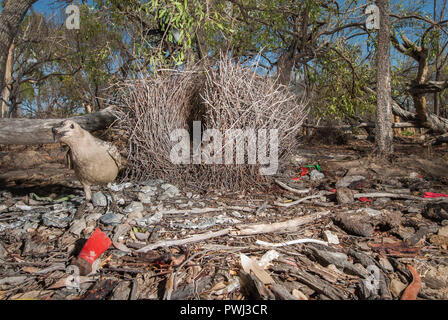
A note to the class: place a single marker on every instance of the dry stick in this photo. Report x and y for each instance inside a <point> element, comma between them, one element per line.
<point>289,243</point>
<point>192,211</point>
<point>293,203</point>
<point>205,210</point>
<point>286,187</point>
<point>391,195</point>
<point>195,238</point>
<point>285,226</point>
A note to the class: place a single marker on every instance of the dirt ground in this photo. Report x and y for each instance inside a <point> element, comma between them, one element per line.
<point>348,226</point>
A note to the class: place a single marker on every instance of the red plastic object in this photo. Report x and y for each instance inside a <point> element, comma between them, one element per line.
<point>95,246</point>
<point>362,199</point>
<point>434,195</point>
<point>304,172</point>
<point>333,190</point>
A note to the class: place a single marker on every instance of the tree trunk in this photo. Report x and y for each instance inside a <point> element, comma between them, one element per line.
<point>38,131</point>
<point>437,77</point>
<point>383,133</point>
<point>10,19</point>
<point>8,77</point>
<point>286,62</point>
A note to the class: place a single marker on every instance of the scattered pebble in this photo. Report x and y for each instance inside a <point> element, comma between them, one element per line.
<point>78,226</point>
<point>316,175</point>
<point>134,207</point>
<point>111,218</point>
<point>347,180</point>
<point>330,237</point>
<point>99,199</point>
<point>144,197</point>
<point>344,196</point>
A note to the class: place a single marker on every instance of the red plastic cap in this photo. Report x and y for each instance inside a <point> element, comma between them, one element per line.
<point>95,246</point>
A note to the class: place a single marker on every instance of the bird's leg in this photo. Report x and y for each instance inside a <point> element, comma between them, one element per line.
<point>113,204</point>
<point>88,193</point>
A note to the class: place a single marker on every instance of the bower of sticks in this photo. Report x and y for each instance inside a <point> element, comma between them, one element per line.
<point>334,222</point>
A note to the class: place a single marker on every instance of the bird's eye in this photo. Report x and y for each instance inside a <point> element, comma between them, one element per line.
<point>72,126</point>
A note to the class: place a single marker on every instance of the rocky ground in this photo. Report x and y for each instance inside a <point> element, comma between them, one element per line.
<point>348,226</point>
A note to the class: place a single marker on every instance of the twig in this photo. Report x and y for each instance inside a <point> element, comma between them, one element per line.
<point>293,203</point>
<point>286,187</point>
<point>206,210</point>
<point>288,243</point>
<point>391,195</point>
<point>284,226</point>
<point>195,238</point>
<point>192,211</point>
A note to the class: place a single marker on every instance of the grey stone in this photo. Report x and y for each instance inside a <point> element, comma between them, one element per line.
<point>99,199</point>
<point>111,218</point>
<point>370,212</point>
<point>134,207</point>
<point>3,207</point>
<point>347,180</point>
<point>78,226</point>
<point>151,190</point>
<point>56,219</point>
<point>330,237</point>
<point>30,225</point>
<point>93,217</point>
<point>13,225</point>
<point>133,217</point>
<point>141,236</point>
<point>119,187</point>
<point>147,221</point>
<point>120,230</point>
<point>316,175</point>
<point>170,190</point>
<point>344,196</point>
<point>152,182</point>
<point>144,197</point>
<point>381,201</point>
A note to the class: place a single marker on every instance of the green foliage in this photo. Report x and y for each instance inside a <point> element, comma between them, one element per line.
<point>340,89</point>
<point>407,133</point>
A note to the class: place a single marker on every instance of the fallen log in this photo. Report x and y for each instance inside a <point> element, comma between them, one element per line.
<point>38,131</point>
<point>435,123</point>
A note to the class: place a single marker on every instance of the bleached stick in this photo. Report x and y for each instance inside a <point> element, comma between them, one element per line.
<point>285,226</point>
<point>195,238</point>
<point>288,243</point>
<point>286,187</point>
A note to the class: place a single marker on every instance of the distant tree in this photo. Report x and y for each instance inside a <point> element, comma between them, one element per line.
<point>11,17</point>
